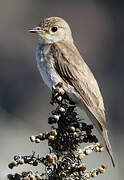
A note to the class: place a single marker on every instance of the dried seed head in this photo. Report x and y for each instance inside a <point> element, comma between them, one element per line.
<point>37,140</point>
<point>101,149</point>
<point>12,164</point>
<point>93,174</point>
<point>81,156</point>
<point>54,133</point>
<point>51,120</point>
<point>83,168</point>
<point>40,136</point>
<point>96,149</point>
<point>56,117</point>
<point>72,165</point>
<point>75,135</point>
<point>10,176</point>
<point>21,161</point>
<point>72,128</point>
<point>35,163</point>
<point>73,168</point>
<point>52,138</point>
<point>87,176</point>
<point>30,162</point>
<point>59,98</point>
<point>104,166</point>
<point>51,158</point>
<point>32,138</point>
<point>88,151</point>
<point>60,84</point>
<point>101,170</point>
<point>62,109</point>
<point>101,146</point>
<point>24,174</point>
<point>56,89</point>
<point>52,161</point>
<point>32,177</point>
<point>55,158</point>
<point>61,91</point>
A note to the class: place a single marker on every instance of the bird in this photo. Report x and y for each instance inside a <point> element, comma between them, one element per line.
<point>58,60</point>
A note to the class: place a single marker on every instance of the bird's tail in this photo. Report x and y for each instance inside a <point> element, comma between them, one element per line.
<point>99,123</point>
<point>108,146</point>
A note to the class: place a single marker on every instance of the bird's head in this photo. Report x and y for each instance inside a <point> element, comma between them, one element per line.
<point>53,29</point>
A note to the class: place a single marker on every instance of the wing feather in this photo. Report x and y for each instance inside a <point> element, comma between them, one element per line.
<point>73,70</point>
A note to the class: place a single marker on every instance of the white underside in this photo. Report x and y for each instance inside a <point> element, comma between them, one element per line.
<point>46,70</point>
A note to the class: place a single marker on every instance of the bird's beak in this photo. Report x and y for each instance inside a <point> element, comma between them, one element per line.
<point>35,30</point>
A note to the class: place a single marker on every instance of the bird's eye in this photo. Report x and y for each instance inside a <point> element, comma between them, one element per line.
<point>38,28</point>
<point>54,29</point>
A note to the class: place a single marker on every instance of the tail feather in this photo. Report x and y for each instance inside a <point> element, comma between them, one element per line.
<point>108,146</point>
<point>98,118</point>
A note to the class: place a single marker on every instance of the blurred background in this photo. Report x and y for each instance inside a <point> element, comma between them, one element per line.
<point>98,29</point>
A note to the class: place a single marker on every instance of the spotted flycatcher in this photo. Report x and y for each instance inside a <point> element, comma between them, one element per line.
<point>58,60</point>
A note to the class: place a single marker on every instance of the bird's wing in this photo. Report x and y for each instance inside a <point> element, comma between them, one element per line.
<point>73,70</point>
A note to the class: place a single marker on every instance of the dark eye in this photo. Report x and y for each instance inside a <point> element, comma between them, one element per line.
<point>54,29</point>
<point>38,28</point>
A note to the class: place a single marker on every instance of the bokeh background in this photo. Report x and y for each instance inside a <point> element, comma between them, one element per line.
<point>98,28</point>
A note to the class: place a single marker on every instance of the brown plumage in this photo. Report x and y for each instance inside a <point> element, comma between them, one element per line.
<point>84,83</point>
<point>59,60</point>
